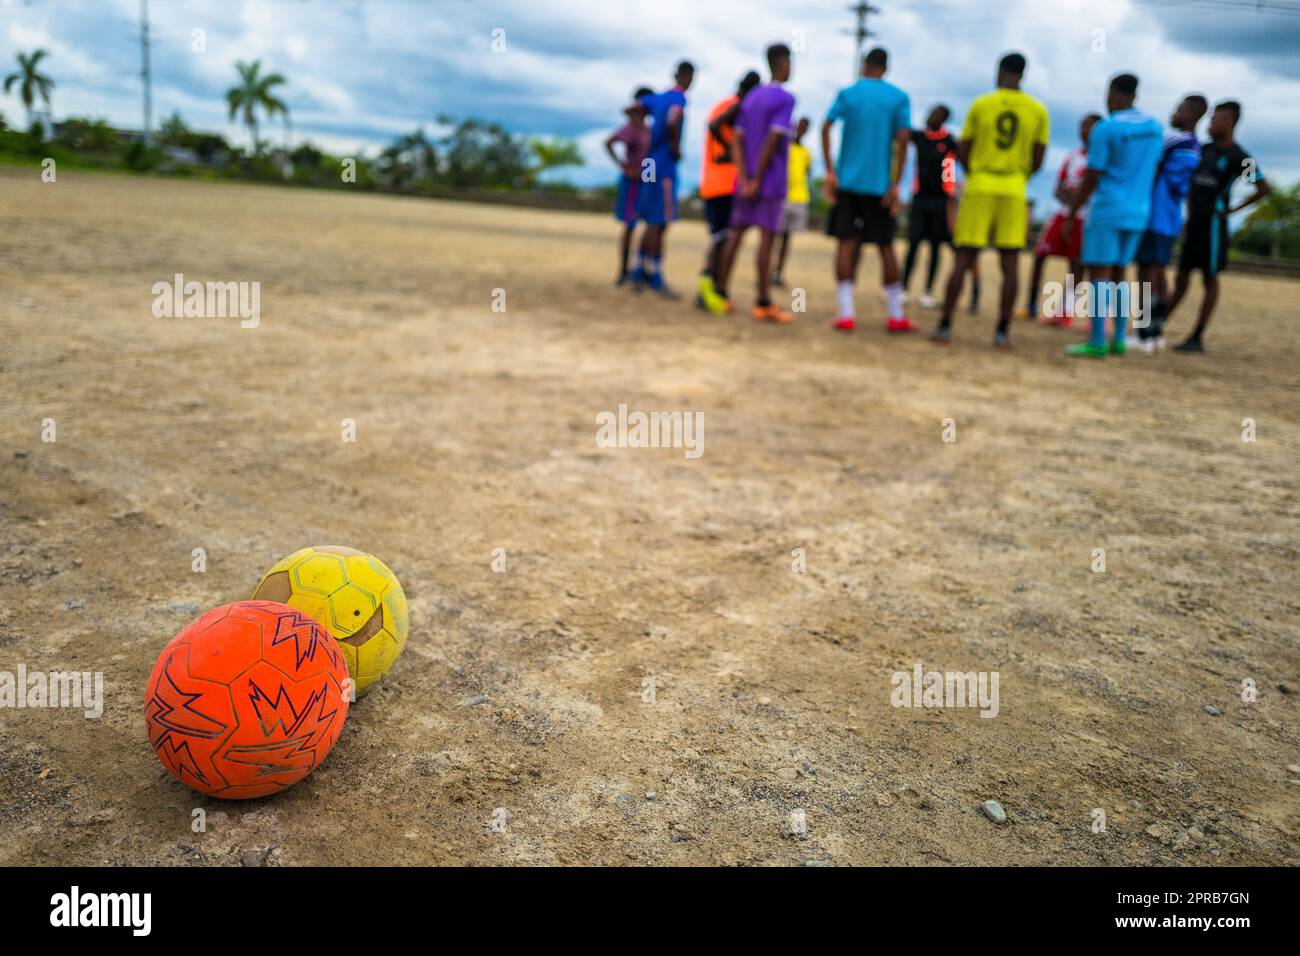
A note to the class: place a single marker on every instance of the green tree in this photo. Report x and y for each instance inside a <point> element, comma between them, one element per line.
<point>483,154</point>
<point>408,159</point>
<point>172,131</point>
<point>551,154</point>
<point>1274,224</point>
<point>255,92</point>
<point>31,81</point>
<point>87,135</point>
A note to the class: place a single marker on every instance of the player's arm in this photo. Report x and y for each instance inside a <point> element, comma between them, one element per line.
<point>1040,151</point>
<point>770,143</point>
<point>609,148</point>
<point>1041,140</point>
<point>738,157</point>
<point>830,182</point>
<point>1063,193</point>
<point>675,131</point>
<point>890,200</point>
<point>1262,191</point>
<point>1086,188</point>
<point>724,120</point>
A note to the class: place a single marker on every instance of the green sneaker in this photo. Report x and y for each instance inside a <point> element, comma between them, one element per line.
<point>1087,350</point>
<point>1118,347</point>
<point>710,297</point>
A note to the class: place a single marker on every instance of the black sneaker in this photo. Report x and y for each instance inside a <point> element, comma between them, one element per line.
<point>1191,345</point>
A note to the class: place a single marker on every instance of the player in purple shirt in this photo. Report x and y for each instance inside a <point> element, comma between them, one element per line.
<point>760,148</point>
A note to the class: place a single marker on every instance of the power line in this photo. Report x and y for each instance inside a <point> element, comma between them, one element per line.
<point>860,33</point>
<point>145,73</point>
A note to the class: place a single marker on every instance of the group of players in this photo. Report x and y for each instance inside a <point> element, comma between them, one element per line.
<point>1121,195</point>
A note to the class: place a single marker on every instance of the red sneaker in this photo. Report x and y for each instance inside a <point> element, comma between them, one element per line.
<point>844,323</point>
<point>900,325</point>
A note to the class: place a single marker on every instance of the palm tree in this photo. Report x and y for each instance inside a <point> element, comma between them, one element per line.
<point>31,81</point>
<point>254,92</point>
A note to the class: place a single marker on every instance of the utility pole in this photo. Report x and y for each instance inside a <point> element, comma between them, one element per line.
<point>144,69</point>
<point>860,33</point>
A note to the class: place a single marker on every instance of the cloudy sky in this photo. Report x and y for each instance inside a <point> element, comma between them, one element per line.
<point>362,71</point>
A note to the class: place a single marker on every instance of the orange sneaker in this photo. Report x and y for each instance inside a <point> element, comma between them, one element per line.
<point>771,313</point>
<point>844,323</point>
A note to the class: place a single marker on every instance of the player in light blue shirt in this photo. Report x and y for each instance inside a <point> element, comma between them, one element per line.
<point>1123,152</point>
<point>863,185</point>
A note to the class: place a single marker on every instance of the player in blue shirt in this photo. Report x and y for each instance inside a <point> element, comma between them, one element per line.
<point>1123,152</point>
<point>863,186</point>
<point>657,199</point>
<point>1178,162</point>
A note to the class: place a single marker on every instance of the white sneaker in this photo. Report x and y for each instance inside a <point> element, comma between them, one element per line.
<point>1159,342</point>
<point>1143,345</point>
<point>927,301</point>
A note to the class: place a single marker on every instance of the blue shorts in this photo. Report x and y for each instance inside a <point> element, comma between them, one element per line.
<point>625,204</point>
<point>1155,249</point>
<point>656,202</point>
<point>1108,246</point>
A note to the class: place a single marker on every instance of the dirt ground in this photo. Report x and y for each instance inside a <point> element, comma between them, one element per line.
<point>524,690</point>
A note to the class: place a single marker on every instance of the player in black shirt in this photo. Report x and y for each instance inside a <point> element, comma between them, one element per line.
<point>1205,239</point>
<point>930,218</point>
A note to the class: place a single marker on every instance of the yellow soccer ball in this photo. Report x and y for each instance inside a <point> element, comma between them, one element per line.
<point>354,596</point>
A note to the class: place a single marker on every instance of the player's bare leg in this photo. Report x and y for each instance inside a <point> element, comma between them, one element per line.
<point>1009,259</point>
<point>964,261</point>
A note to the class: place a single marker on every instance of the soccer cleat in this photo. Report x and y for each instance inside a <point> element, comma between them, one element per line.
<point>771,313</point>
<point>638,279</point>
<point>1145,346</point>
<point>1002,342</point>
<point>778,280</point>
<point>941,336</point>
<point>1159,342</point>
<point>664,291</point>
<point>1191,345</point>
<point>844,323</point>
<point>1118,347</point>
<point>900,325</point>
<point>927,301</point>
<point>623,278</point>
<point>1023,313</point>
<point>1087,350</point>
<point>710,298</point>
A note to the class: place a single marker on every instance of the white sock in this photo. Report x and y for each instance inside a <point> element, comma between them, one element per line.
<point>895,295</point>
<point>844,290</point>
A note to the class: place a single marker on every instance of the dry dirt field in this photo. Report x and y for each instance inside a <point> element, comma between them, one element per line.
<point>523,690</point>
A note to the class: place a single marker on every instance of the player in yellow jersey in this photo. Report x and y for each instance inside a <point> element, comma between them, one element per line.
<point>1003,143</point>
<point>794,215</point>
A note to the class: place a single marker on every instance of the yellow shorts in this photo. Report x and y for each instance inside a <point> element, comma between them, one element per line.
<point>1001,221</point>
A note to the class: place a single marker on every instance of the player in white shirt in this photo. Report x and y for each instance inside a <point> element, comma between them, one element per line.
<point>1050,242</point>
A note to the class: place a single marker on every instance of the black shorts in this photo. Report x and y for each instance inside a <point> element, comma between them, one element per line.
<point>859,216</point>
<point>1205,245</point>
<point>717,212</point>
<point>927,220</point>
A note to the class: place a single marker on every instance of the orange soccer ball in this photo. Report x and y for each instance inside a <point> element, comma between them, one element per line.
<point>247,700</point>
